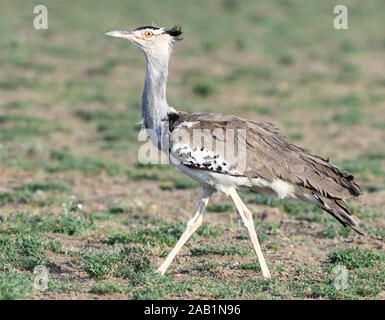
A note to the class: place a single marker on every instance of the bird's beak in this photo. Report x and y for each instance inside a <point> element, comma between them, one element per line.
<point>119,34</point>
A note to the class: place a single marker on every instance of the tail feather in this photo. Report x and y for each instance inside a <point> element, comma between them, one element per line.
<point>339,210</point>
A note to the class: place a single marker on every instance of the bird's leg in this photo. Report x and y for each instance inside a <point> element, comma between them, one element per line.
<point>192,225</point>
<point>247,219</point>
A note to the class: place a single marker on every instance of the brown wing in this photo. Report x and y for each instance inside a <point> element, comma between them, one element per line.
<point>271,156</point>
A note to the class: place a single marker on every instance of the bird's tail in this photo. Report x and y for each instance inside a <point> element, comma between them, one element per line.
<point>339,210</point>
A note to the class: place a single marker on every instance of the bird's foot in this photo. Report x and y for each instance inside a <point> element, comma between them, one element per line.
<point>266,274</point>
<point>161,270</point>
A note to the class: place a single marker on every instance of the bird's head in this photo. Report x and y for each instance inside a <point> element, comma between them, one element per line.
<point>150,39</point>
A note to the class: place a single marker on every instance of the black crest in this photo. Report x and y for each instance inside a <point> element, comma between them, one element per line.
<point>175,32</point>
<point>172,118</point>
<point>147,27</point>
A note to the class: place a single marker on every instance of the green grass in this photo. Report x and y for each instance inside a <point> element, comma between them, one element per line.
<point>106,287</point>
<point>20,131</point>
<point>167,233</point>
<point>185,183</point>
<point>161,288</point>
<point>19,104</point>
<point>210,231</point>
<point>205,87</point>
<point>16,127</point>
<point>60,285</point>
<point>209,266</point>
<point>351,116</point>
<point>310,213</point>
<point>220,207</point>
<point>362,282</point>
<point>16,82</point>
<point>34,186</point>
<point>64,223</point>
<point>15,285</point>
<point>25,192</point>
<point>220,250</point>
<point>209,287</point>
<point>112,126</point>
<point>69,224</point>
<point>373,188</point>
<point>63,160</point>
<point>366,164</point>
<point>161,172</point>
<point>128,263</point>
<point>365,276</point>
<point>105,68</point>
<point>55,245</point>
<point>300,210</point>
<point>355,257</point>
<point>100,264</point>
<point>24,251</point>
<point>132,264</point>
<point>117,209</point>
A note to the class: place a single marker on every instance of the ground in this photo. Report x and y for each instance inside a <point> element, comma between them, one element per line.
<point>75,199</point>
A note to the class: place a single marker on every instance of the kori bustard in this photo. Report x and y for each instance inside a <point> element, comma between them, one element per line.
<point>268,163</point>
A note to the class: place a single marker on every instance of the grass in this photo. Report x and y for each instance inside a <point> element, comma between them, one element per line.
<point>106,287</point>
<point>220,207</point>
<point>113,126</point>
<point>19,131</point>
<point>365,276</point>
<point>352,116</point>
<point>209,266</point>
<point>25,192</point>
<point>133,266</point>
<point>205,87</point>
<point>58,285</point>
<point>168,234</point>
<point>300,210</point>
<point>207,231</point>
<point>220,250</point>
<point>63,160</point>
<point>25,251</point>
<point>362,283</point>
<point>117,209</point>
<point>305,212</point>
<point>355,257</point>
<point>128,263</point>
<point>15,285</point>
<point>367,164</point>
<point>70,123</point>
<point>185,183</point>
<point>64,223</point>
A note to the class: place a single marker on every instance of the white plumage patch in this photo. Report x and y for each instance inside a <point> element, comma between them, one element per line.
<point>202,158</point>
<point>186,124</point>
<point>283,189</point>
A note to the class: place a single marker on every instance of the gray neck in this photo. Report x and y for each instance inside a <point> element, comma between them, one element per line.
<point>154,104</point>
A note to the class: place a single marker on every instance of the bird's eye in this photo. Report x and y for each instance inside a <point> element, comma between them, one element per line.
<point>148,34</point>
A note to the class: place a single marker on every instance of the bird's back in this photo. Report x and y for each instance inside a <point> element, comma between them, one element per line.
<point>261,159</point>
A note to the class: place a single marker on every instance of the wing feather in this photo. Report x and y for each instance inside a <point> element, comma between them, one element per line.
<point>268,154</point>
